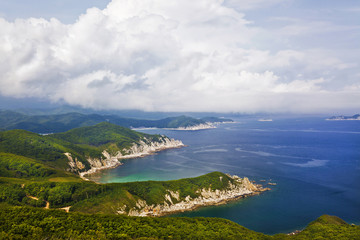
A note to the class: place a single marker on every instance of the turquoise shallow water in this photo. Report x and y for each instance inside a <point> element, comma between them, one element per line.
<point>315,163</point>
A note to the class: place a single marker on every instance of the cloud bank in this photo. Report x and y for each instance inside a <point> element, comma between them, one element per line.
<point>159,55</point>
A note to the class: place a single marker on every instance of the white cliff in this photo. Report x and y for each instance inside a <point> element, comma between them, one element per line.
<point>146,147</point>
<point>240,188</point>
<point>141,149</point>
<point>196,127</point>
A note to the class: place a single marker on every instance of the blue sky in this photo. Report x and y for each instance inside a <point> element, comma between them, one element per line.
<point>65,10</point>
<point>207,55</point>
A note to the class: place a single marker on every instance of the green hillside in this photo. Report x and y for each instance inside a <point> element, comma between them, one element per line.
<point>34,146</point>
<point>15,166</point>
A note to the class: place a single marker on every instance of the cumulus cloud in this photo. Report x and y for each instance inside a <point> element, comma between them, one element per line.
<point>164,56</point>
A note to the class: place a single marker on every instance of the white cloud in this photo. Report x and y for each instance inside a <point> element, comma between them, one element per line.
<point>252,4</point>
<point>299,86</point>
<point>165,56</point>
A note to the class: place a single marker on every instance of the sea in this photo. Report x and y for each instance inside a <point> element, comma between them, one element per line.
<point>315,164</point>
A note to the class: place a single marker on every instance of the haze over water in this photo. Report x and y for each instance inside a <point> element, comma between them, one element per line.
<point>315,163</point>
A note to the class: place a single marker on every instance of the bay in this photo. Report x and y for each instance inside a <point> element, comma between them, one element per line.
<point>315,163</point>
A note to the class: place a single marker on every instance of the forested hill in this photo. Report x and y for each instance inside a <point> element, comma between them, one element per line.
<point>81,143</point>
<point>31,223</point>
<point>63,122</point>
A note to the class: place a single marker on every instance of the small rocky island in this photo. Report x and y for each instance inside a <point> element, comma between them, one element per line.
<point>344,118</point>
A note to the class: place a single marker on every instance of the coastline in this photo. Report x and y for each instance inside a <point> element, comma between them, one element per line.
<point>143,150</point>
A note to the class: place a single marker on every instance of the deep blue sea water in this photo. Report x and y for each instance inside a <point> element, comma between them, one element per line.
<point>315,163</point>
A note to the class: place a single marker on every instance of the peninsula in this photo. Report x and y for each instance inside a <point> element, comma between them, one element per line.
<point>189,194</point>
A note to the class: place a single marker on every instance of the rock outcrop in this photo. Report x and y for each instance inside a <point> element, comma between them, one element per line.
<point>142,148</point>
<point>241,187</point>
<point>74,164</point>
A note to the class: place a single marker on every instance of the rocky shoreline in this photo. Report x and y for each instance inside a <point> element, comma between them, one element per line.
<point>144,148</point>
<point>188,128</point>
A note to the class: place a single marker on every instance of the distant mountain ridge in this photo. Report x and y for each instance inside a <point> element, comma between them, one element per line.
<point>64,122</point>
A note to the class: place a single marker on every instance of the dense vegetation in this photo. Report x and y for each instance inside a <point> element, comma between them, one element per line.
<point>64,122</point>
<point>32,223</point>
<point>15,166</point>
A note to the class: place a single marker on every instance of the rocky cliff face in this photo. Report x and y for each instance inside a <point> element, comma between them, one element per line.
<point>142,148</point>
<point>146,147</point>
<point>241,187</point>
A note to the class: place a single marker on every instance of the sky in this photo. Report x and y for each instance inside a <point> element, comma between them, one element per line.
<point>248,56</point>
